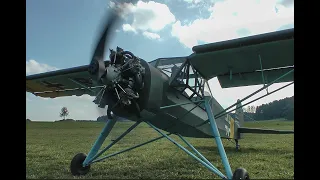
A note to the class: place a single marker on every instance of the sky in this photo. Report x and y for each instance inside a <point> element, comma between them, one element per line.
<point>61,34</point>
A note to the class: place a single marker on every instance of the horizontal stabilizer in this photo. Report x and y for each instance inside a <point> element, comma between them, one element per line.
<point>263,131</point>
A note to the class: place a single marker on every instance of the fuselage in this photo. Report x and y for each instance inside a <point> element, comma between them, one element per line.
<point>184,119</point>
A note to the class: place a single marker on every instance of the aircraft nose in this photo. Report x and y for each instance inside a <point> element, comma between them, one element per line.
<point>110,74</point>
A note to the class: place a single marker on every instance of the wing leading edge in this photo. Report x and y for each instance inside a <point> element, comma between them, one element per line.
<point>241,62</point>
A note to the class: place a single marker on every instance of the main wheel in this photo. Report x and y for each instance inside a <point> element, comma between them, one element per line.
<point>76,167</point>
<point>240,173</point>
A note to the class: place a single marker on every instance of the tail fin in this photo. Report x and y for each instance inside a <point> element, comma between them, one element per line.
<point>240,114</point>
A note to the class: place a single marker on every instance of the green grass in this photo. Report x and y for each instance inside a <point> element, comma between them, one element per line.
<point>51,146</point>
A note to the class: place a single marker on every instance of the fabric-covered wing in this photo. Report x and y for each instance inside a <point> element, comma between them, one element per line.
<point>239,62</point>
<point>65,82</point>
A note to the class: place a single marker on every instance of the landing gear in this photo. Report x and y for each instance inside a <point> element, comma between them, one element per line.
<point>237,145</point>
<point>240,173</point>
<point>76,167</point>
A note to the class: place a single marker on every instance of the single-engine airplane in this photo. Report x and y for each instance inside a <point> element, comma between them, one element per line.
<point>169,93</point>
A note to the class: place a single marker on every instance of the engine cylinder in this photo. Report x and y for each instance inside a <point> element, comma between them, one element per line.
<point>111,74</point>
<point>152,94</point>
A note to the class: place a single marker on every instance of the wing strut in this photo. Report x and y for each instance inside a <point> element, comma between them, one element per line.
<point>225,111</point>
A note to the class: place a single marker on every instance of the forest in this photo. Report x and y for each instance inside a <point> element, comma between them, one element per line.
<point>283,108</point>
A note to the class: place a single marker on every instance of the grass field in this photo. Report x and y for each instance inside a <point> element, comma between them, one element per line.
<point>51,146</point>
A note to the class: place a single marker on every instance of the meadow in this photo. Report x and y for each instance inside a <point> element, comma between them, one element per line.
<point>50,146</point>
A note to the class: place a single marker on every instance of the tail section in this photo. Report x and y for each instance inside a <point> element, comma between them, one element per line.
<point>242,130</point>
<point>263,131</point>
<point>239,120</point>
<point>240,114</point>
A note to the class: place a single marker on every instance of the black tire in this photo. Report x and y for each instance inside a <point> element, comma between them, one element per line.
<point>240,173</point>
<point>76,167</point>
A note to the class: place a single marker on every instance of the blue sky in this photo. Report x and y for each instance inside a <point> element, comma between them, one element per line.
<point>61,34</point>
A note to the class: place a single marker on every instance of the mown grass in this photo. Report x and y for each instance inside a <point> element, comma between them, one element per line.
<point>51,146</point>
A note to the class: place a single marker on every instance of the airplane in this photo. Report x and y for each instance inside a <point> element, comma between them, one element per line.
<point>172,95</point>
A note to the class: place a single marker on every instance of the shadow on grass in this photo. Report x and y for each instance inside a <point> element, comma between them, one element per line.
<point>166,168</point>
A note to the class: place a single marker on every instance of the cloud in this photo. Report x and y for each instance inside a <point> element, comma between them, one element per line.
<point>111,4</point>
<point>192,1</point>
<point>228,17</point>
<point>242,32</point>
<point>128,27</point>
<point>188,1</point>
<point>287,3</point>
<point>34,67</point>
<point>151,35</point>
<point>148,16</point>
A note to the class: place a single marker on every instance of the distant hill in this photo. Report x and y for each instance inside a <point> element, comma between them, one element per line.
<point>28,120</point>
<point>105,118</point>
<point>85,120</point>
<point>65,120</point>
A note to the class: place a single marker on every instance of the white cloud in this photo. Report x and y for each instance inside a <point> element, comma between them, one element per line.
<point>227,17</point>
<point>111,4</point>
<point>128,27</point>
<point>151,35</point>
<point>151,16</point>
<point>34,67</point>
<point>148,16</point>
<point>192,1</point>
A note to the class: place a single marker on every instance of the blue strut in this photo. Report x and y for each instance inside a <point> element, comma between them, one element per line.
<point>216,135</point>
<point>95,148</point>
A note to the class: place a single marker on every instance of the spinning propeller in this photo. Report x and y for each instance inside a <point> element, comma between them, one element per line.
<point>97,67</point>
<point>100,74</point>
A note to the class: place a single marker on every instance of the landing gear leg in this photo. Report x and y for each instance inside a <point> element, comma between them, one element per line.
<point>237,144</point>
<point>80,164</point>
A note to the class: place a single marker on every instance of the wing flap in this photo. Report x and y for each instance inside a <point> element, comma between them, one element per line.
<point>255,78</point>
<point>265,51</point>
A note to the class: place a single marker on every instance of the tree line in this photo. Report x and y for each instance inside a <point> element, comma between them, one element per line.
<point>283,108</point>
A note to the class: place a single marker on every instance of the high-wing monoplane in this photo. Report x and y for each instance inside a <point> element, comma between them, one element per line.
<point>172,94</point>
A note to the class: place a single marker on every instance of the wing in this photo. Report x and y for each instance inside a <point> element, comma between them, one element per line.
<point>65,82</point>
<point>241,62</point>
